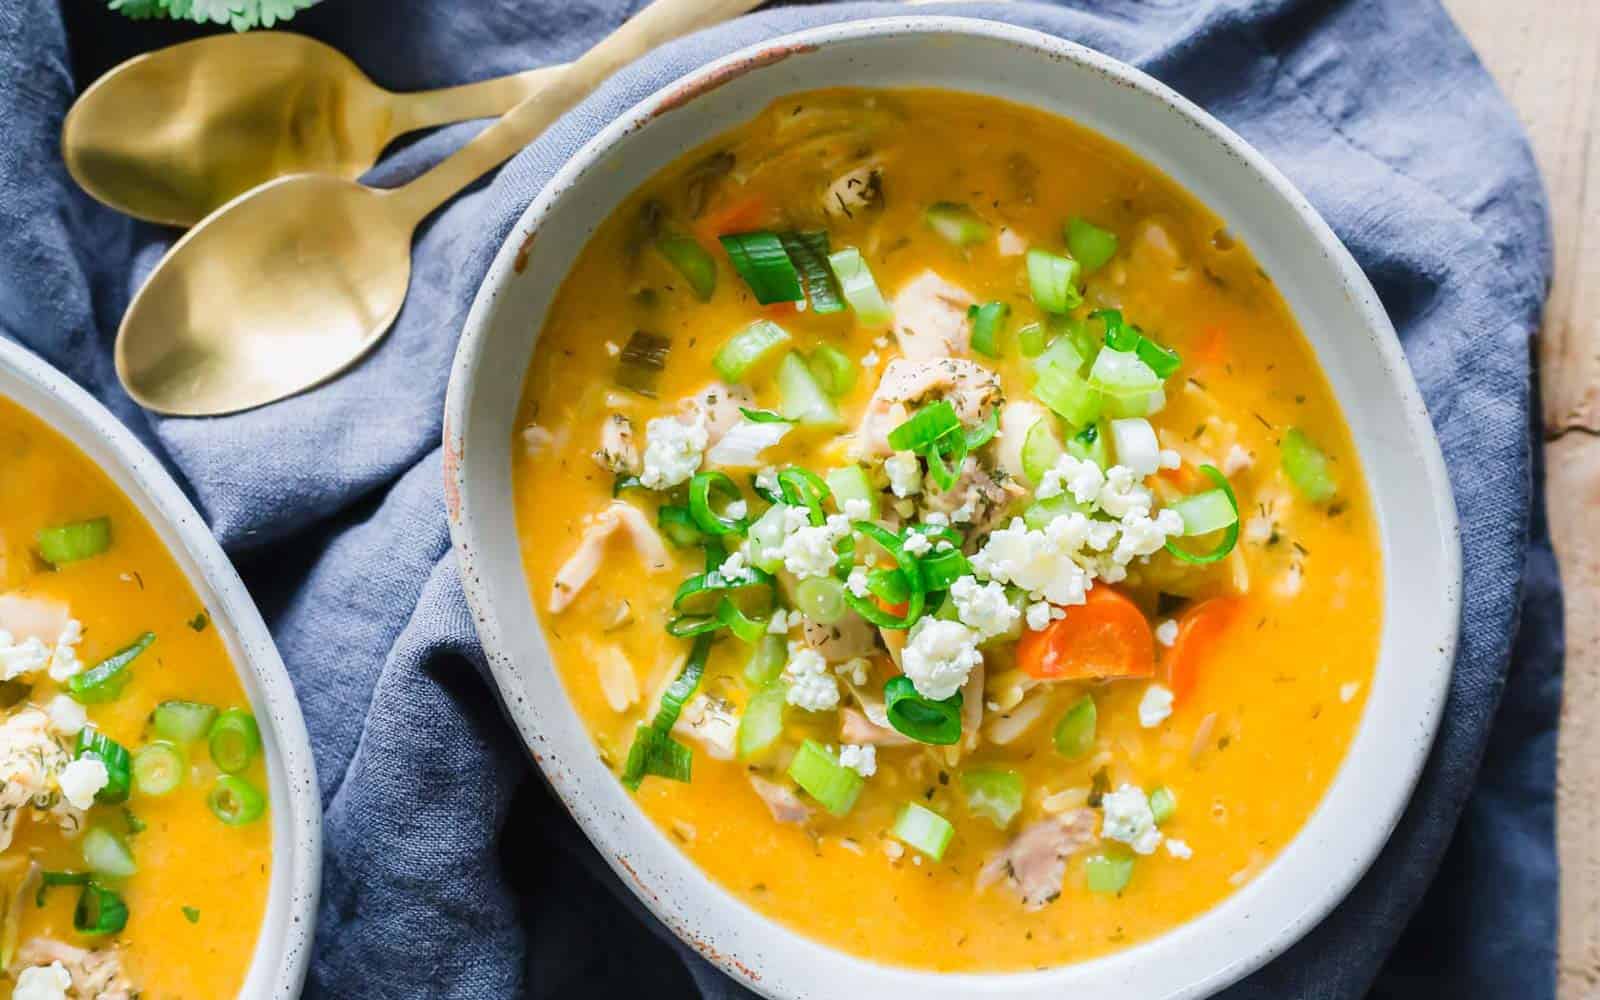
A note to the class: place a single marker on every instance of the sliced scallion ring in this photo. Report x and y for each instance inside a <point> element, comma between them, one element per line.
<point>1230,536</point>
<point>764,264</point>
<point>934,722</point>
<point>804,488</point>
<point>105,680</point>
<point>705,517</point>
<point>235,801</point>
<point>910,568</point>
<point>100,911</point>
<point>809,253</point>
<point>925,428</point>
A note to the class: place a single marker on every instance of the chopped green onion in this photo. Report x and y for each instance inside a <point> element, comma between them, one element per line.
<point>821,598</point>
<point>748,629</point>
<point>924,720</point>
<point>235,739</point>
<point>100,911</point>
<point>624,483</point>
<point>747,349</point>
<point>804,488</point>
<point>850,482</point>
<point>677,524</point>
<point>682,686</point>
<point>690,258</point>
<point>911,570</point>
<point>996,795</point>
<point>641,362</point>
<point>833,785</point>
<point>105,680</point>
<point>1120,336</point>
<point>767,661</point>
<point>1230,536</point>
<point>924,829</point>
<point>859,288</point>
<point>1163,803</point>
<point>235,801</point>
<point>95,745</point>
<point>1074,736</point>
<point>667,758</point>
<point>182,722</point>
<point>1108,873</point>
<point>809,253</point>
<point>802,399</point>
<point>833,369</point>
<point>956,223</point>
<point>702,596</point>
<point>1040,450</point>
<point>54,880</point>
<point>980,433</point>
<point>889,585</point>
<point>762,416</point>
<point>987,320</point>
<point>941,569</point>
<point>708,520</point>
<point>762,721</point>
<point>191,914</point>
<point>764,264</point>
<point>1307,466</point>
<point>925,427</point>
<point>1068,394</point>
<point>1090,245</point>
<point>67,543</point>
<point>1031,339</point>
<point>157,768</point>
<point>107,854</point>
<point>1053,280</point>
<point>1089,445</point>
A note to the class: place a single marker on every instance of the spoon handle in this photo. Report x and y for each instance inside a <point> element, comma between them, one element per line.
<point>660,22</point>
<point>484,99</point>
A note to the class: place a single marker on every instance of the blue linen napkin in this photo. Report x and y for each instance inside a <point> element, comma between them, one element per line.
<point>450,870</point>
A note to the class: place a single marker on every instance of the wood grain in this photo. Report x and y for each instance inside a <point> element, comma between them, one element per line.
<point>1546,56</point>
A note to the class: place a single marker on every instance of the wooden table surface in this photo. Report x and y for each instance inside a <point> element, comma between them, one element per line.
<point>1546,56</point>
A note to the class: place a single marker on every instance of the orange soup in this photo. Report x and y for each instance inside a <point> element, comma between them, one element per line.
<point>134,845</point>
<point>944,529</point>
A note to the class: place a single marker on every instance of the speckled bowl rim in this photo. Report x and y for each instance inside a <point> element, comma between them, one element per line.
<point>1405,470</point>
<point>283,946</point>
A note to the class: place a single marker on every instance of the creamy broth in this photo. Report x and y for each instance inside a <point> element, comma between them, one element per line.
<point>196,899</point>
<point>1272,684</point>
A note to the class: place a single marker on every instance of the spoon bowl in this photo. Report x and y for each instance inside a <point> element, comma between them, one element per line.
<point>260,303</point>
<point>169,136</point>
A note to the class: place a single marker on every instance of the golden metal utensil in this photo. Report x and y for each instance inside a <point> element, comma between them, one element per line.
<point>291,283</point>
<point>170,136</point>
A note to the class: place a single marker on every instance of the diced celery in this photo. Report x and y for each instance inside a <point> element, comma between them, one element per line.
<point>767,660</point>
<point>1090,245</point>
<point>1307,467</point>
<point>801,398</point>
<point>924,829</point>
<point>1163,804</point>
<point>1068,394</point>
<point>766,539</point>
<point>1108,872</point>
<point>833,785</point>
<point>1089,444</point>
<point>748,348</point>
<point>859,288</point>
<point>1075,733</point>
<point>850,483</point>
<point>1053,280</point>
<point>1040,450</point>
<point>762,722</point>
<point>957,223</point>
<point>996,795</point>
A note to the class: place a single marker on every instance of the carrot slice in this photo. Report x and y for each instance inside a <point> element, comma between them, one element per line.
<point>735,217</point>
<point>1106,636</point>
<point>1199,630</point>
<point>1212,348</point>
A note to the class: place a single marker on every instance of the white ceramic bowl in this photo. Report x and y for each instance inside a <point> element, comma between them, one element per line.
<point>278,967</point>
<point>1334,303</point>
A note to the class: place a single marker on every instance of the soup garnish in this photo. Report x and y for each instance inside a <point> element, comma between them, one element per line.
<point>920,530</point>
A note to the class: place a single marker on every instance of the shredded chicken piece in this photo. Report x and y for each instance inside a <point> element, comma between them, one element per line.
<point>850,637</point>
<point>30,759</point>
<point>858,189</point>
<point>972,708</point>
<point>618,452</point>
<point>711,722</point>
<point>582,565</point>
<point>971,388</point>
<point>784,805</point>
<point>930,318</point>
<point>977,501</point>
<point>855,727</point>
<point>95,974</point>
<point>720,404</point>
<point>618,682</point>
<point>33,617</point>
<point>1035,861</point>
<point>1009,727</point>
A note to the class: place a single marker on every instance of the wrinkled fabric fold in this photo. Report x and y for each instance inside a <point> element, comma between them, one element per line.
<point>451,871</point>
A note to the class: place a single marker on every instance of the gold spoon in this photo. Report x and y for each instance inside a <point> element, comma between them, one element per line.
<point>291,283</point>
<point>170,136</point>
